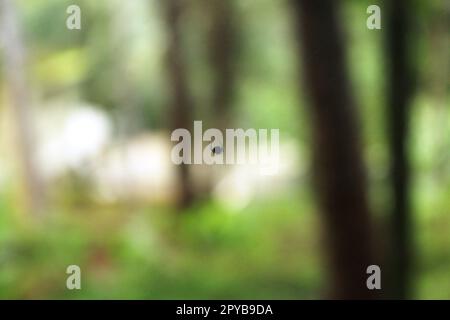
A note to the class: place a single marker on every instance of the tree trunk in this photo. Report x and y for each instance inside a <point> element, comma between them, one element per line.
<point>15,67</point>
<point>399,96</point>
<point>222,44</point>
<point>337,156</point>
<point>182,105</point>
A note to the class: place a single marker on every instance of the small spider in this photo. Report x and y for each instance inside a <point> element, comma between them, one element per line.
<point>216,150</point>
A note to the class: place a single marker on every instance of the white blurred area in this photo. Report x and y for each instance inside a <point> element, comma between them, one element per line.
<point>240,184</point>
<point>79,138</point>
<point>69,137</point>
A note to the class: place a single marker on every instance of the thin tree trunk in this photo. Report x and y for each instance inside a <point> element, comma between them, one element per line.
<point>182,105</point>
<point>337,156</point>
<point>15,67</point>
<point>399,96</point>
<point>222,44</point>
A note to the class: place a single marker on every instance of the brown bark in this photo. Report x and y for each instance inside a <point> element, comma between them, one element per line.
<point>182,105</point>
<point>222,45</point>
<point>338,164</point>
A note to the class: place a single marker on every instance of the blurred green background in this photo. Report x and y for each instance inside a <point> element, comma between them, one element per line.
<point>103,191</point>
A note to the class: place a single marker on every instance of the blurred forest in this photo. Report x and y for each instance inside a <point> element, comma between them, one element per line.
<point>86,176</point>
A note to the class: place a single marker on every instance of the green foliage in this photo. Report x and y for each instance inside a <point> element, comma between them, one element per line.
<point>270,249</point>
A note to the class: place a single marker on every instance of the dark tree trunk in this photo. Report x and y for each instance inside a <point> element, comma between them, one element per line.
<point>182,105</point>
<point>337,156</point>
<point>399,94</point>
<point>222,44</point>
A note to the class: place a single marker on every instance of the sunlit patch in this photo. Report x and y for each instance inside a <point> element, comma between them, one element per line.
<point>68,139</point>
<point>235,191</point>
